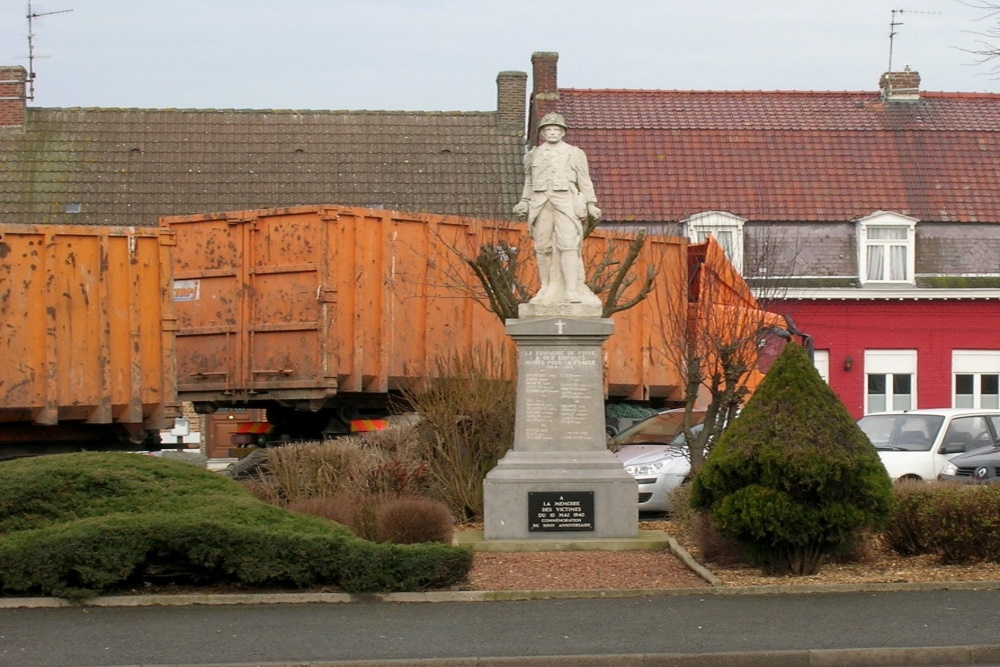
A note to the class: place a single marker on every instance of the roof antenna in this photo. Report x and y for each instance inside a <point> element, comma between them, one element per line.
<point>31,46</point>
<point>892,27</point>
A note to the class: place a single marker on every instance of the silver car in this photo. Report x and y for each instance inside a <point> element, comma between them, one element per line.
<point>653,451</point>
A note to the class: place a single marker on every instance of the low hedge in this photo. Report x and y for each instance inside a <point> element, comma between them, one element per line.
<point>78,525</point>
<point>959,523</point>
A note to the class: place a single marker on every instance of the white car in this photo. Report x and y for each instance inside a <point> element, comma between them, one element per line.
<point>915,444</point>
<point>653,451</point>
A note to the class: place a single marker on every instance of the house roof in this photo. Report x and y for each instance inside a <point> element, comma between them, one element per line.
<point>130,166</point>
<point>788,156</point>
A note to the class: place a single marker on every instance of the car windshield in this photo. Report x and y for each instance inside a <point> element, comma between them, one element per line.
<point>903,432</point>
<point>665,428</point>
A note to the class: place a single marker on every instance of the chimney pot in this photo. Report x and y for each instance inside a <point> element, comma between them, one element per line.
<point>900,86</point>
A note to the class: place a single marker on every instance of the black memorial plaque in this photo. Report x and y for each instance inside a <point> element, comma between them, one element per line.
<point>559,511</point>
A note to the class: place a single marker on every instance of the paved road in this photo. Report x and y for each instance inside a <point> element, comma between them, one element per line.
<point>541,629</point>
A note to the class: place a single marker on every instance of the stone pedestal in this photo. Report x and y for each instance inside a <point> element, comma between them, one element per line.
<point>560,481</point>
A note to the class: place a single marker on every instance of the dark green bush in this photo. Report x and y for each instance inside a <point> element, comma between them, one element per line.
<point>37,492</point>
<point>77,525</point>
<point>793,479</point>
<point>959,523</point>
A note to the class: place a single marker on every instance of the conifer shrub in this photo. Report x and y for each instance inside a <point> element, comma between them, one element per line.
<point>412,520</point>
<point>77,525</point>
<point>793,479</point>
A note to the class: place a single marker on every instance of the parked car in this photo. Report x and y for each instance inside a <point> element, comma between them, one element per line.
<point>916,444</point>
<point>654,452</point>
<point>981,466</point>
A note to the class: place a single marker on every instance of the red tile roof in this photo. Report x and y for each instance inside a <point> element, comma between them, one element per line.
<point>788,156</point>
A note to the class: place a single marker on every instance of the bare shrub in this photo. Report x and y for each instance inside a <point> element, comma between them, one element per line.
<point>909,528</point>
<point>468,424</point>
<point>353,464</point>
<point>714,546</point>
<point>967,523</point>
<point>342,508</point>
<point>413,520</point>
<point>262,490</point>
<point>311,469</point>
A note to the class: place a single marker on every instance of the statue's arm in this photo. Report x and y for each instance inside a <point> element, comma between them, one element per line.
<point>521,208</point>
<point>582,170</point>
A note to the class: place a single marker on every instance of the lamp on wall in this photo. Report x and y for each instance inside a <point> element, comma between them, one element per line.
<point>848,362</point>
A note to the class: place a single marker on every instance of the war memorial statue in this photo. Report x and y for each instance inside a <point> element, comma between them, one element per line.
<point>558,199</point>
<point>560,484</point>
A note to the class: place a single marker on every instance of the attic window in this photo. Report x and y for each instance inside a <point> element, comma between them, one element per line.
<point>886,248</point>
<point>726,228</point>
<point>74,207</point>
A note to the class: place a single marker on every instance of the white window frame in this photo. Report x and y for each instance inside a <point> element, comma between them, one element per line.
<point>874,240</point>
<point>726,228</point>
<point>891,362</point>
<point>976,363</point>
<point>821,360</point>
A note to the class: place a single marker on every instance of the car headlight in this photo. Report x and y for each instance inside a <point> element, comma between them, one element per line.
<point>646,469</point>
<point>949,468</point>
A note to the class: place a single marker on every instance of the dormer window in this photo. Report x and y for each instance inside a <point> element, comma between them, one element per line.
<point>886,248</point>
<point>725,228</point>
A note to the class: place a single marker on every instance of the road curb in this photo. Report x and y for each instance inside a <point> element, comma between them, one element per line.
<point>181,599</point>
<point>885,657</point>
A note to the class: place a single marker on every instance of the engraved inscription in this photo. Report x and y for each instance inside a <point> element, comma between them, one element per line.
<point>560,511</point>
<point>558,386</point>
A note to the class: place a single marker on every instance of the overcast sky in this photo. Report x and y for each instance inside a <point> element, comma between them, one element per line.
<point>446,54</point>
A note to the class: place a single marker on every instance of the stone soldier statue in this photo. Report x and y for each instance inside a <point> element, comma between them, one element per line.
<point>557,198</point>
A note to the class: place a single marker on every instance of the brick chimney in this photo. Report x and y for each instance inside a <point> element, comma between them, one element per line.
<point>544,90</point>
<point>13,96</point>
<point>900,86</point>
<point>511,89</point>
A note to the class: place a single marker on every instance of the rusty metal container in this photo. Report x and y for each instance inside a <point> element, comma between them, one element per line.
<point>86,331</point>
<point>320,306</point>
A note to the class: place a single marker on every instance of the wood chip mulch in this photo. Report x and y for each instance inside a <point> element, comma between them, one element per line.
<point>628,570</point>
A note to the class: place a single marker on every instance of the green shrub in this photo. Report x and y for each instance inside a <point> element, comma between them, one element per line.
<point>37,492</point>
<point>77,525</point>
<point>793,479</point>
<point>959,523</point>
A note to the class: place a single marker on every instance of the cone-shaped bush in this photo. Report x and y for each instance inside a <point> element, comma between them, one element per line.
<point>793,478</point>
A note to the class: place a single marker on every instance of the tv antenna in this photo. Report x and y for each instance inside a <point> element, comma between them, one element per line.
<point>31,46</point>
<point>894,22</point>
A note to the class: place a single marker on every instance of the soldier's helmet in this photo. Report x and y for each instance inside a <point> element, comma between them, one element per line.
<point>552,119</point>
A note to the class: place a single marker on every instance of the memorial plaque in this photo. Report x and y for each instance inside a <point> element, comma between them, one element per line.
<point>558,511</point>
